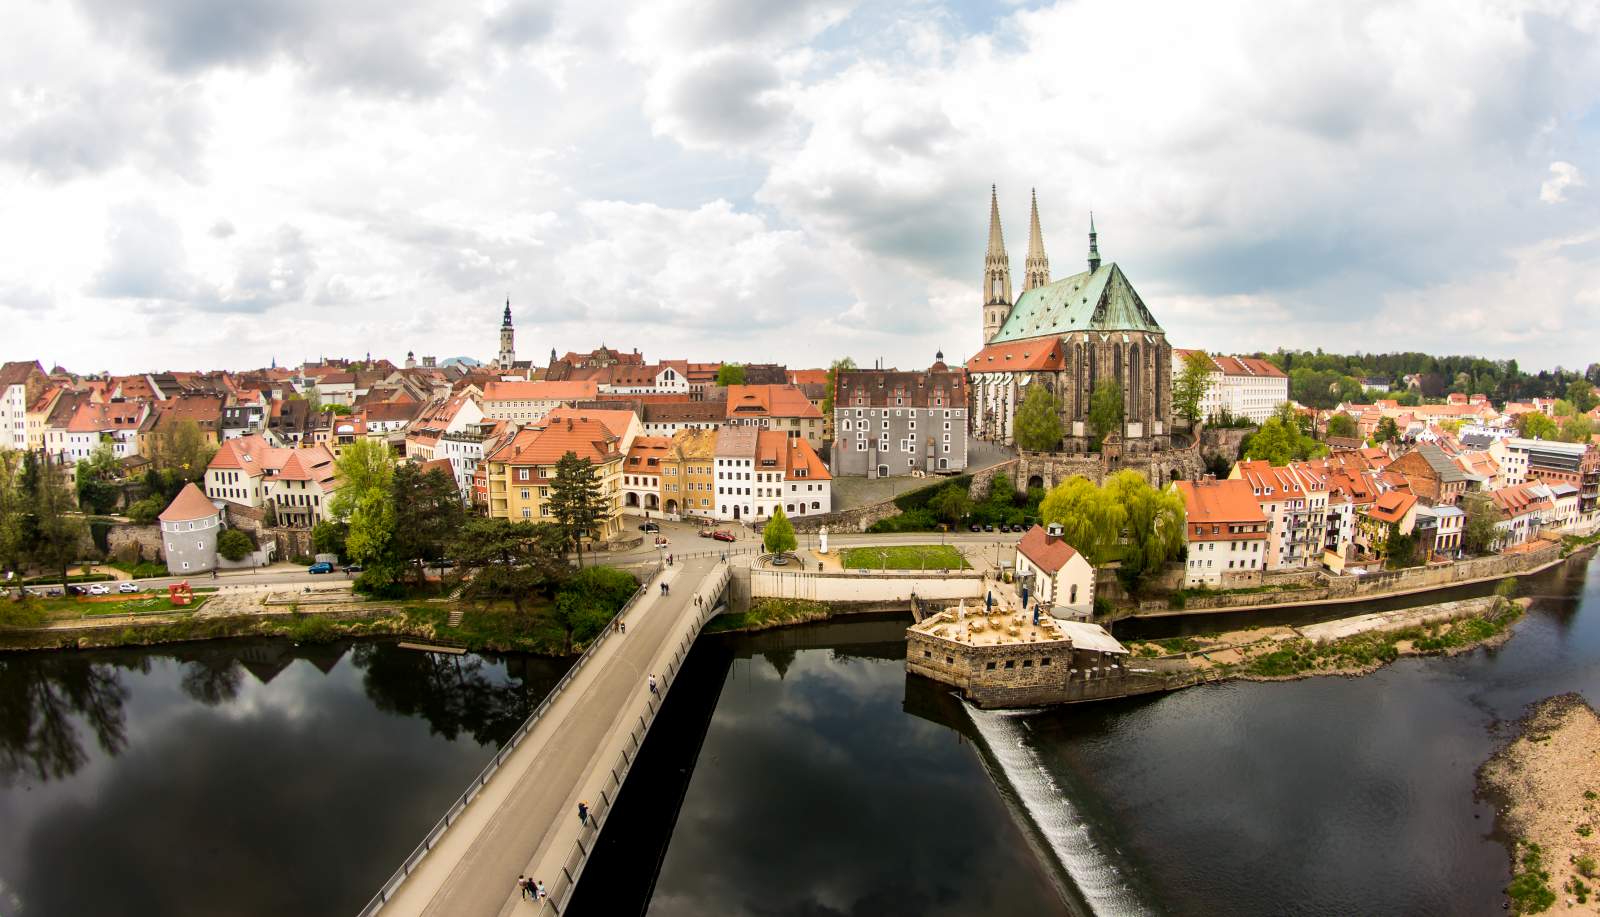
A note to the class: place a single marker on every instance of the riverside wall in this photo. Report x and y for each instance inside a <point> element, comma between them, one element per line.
<point>1300,587</point>
<point>881,586</point>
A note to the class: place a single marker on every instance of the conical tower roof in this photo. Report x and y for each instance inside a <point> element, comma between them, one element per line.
<point>997,241</point>
<point>1036,270</point>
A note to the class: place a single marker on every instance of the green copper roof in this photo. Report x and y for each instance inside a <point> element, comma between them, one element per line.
<point>1097,300</point>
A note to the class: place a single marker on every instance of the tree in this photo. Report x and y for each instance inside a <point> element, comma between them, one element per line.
<point>730,374</point>
<point>1581,393</point>
<point>590,599</point>
<point>1577,429</point>
<point>1090,520</point>
<point>364,466</point>
<point>1563,408</point>
<point>1189,388</point>
<point>428,513</point>
<point>147,510</point>
<point>182,450</point>
<point>1478,532</point>
<point>328,537</point>
<point>950,503</point>
<point>1534,425</point>
<point>1280,443</point>
<point>502,559</point>
<point>575,499</point>
<point>1105,410</point>
<point>1152,525</point>
<point>1342,425</point>
<point>1038,424</point>
<point>234,545</point>
<point>843,364</point>
<point>1388,431</point>
<point>57,532</point>
<point>13,510</point>
<point>778,534</point>
<point>96,491</point>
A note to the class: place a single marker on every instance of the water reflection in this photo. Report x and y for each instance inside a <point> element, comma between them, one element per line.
<point>42,704</point>
<point>236,777</point>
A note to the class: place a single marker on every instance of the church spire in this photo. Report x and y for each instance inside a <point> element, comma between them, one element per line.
<point>1036,270</point>
<point>505,321</point>
<point>996,274</point>
<point>1094,247</point>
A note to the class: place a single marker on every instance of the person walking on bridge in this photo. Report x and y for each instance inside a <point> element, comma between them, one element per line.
<point>653,685</point>
<point>525,886</point>
<point>583,813</point>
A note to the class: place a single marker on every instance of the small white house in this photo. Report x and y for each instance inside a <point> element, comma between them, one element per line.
<point>1058,576</point>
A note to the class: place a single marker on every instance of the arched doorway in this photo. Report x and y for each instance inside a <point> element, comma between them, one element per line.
<point>651,501</point>
<point>1035,481</point>
<point>672,507</point>
<point>632,499</point>
<point>736,514</point>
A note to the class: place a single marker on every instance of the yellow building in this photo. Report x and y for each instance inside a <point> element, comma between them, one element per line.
<point>521,472</point>
<point>688,472</point>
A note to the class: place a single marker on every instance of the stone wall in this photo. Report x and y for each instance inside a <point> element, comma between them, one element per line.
<point>147,537</point>
<point>1322,586</point>
<point>1051,468</point>
<point>1223,441</point>
<point>1024,674</point>
<point>847,520</point>
<point>979,489</point>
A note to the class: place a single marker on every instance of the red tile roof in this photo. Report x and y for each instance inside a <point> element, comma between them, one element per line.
<point>546,445</point>
<point>1392,506</point>
<point>769,401</point>
<point>499,390</point>
<point>1210,502</point>
<point>1047,552</point>
<point>1019,356</point>
<point>189,505</point>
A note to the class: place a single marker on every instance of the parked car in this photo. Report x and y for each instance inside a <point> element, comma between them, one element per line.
<point>706,533</point>
<point>988,526</point>
<point>129,588</point>
<point>976,527</point>
<point>73,589</point>
<point>320,566</point>
<point>721,535</point>
<point>649,527</point>
<point>99,589</point>
<point>351,568</point>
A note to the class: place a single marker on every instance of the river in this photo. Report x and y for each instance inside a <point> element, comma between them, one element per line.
<point>802,772</point>
<point>237,777</point>
<point>791,772</point>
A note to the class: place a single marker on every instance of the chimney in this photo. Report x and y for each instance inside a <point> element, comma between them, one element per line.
<point>1053,532</point>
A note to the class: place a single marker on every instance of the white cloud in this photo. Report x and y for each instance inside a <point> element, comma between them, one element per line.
<point>721,178</point>
<point>1563,175</point>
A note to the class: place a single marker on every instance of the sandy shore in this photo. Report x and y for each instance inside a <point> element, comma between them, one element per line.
<point>1548,781</point>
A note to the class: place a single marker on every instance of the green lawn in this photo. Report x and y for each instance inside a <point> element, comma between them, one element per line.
<point>71,607</point>
<point>904,557</point>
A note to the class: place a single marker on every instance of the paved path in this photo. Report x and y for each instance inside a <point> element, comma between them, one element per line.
<point>525,820</point>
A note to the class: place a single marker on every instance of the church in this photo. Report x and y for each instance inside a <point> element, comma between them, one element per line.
<point>1071,336</point>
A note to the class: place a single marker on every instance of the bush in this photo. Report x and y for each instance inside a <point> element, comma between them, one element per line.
<point>74,578</point>
<point>146,511</point>
<point>234,545</point>
<point>1529,890</point>
<point>918,499</point>
<point>917,520</point>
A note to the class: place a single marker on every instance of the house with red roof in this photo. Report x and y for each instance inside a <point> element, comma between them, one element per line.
<point>296,483</point>
<point>521,470</point>
<point>527,402</point>
<point>783,408</point>
<point>1226,532</point>
<point>1056,575</point>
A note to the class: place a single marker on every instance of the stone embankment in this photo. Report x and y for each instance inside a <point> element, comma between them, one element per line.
<point>1547,783</point>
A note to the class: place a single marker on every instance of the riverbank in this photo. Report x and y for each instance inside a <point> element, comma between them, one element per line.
<point>1547,779</point>
<point>1349,646</point>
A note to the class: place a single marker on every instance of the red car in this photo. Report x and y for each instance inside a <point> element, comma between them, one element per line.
<point>721,535</point>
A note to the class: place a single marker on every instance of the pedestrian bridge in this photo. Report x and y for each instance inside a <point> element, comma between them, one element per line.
<point>519,817</point>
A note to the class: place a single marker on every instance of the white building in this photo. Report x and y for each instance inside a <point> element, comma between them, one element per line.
<point>528,402</point>
<point>1238,386</point>
<point>756,471</point>
<point>1060,578</point>
<point>14,401</point>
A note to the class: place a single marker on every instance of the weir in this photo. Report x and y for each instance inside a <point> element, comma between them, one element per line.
<point>520,816</point>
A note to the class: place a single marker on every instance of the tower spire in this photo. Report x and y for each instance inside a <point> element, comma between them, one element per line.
<point>996,274</point>
<point>1036,270</point>
<point>1094,246</point>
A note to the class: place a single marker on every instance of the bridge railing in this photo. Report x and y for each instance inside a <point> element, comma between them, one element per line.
<point>560,892</point>
<point>414,859</point>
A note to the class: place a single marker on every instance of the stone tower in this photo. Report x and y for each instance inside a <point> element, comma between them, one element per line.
<point>508,349</point>
<point>996,275</point>
<point>1094,246</point>
<point>1036,270</point>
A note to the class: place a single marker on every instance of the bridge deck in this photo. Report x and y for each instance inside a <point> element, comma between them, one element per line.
<point>524,820</point>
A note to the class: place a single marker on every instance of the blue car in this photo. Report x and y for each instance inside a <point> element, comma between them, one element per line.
<point>320,566</point>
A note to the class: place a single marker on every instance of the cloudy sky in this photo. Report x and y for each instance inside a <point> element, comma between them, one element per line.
<point>189,184</point>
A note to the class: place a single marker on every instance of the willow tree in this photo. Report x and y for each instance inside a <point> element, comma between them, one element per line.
<point>1153,525</point>
<point>1090,520</point>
